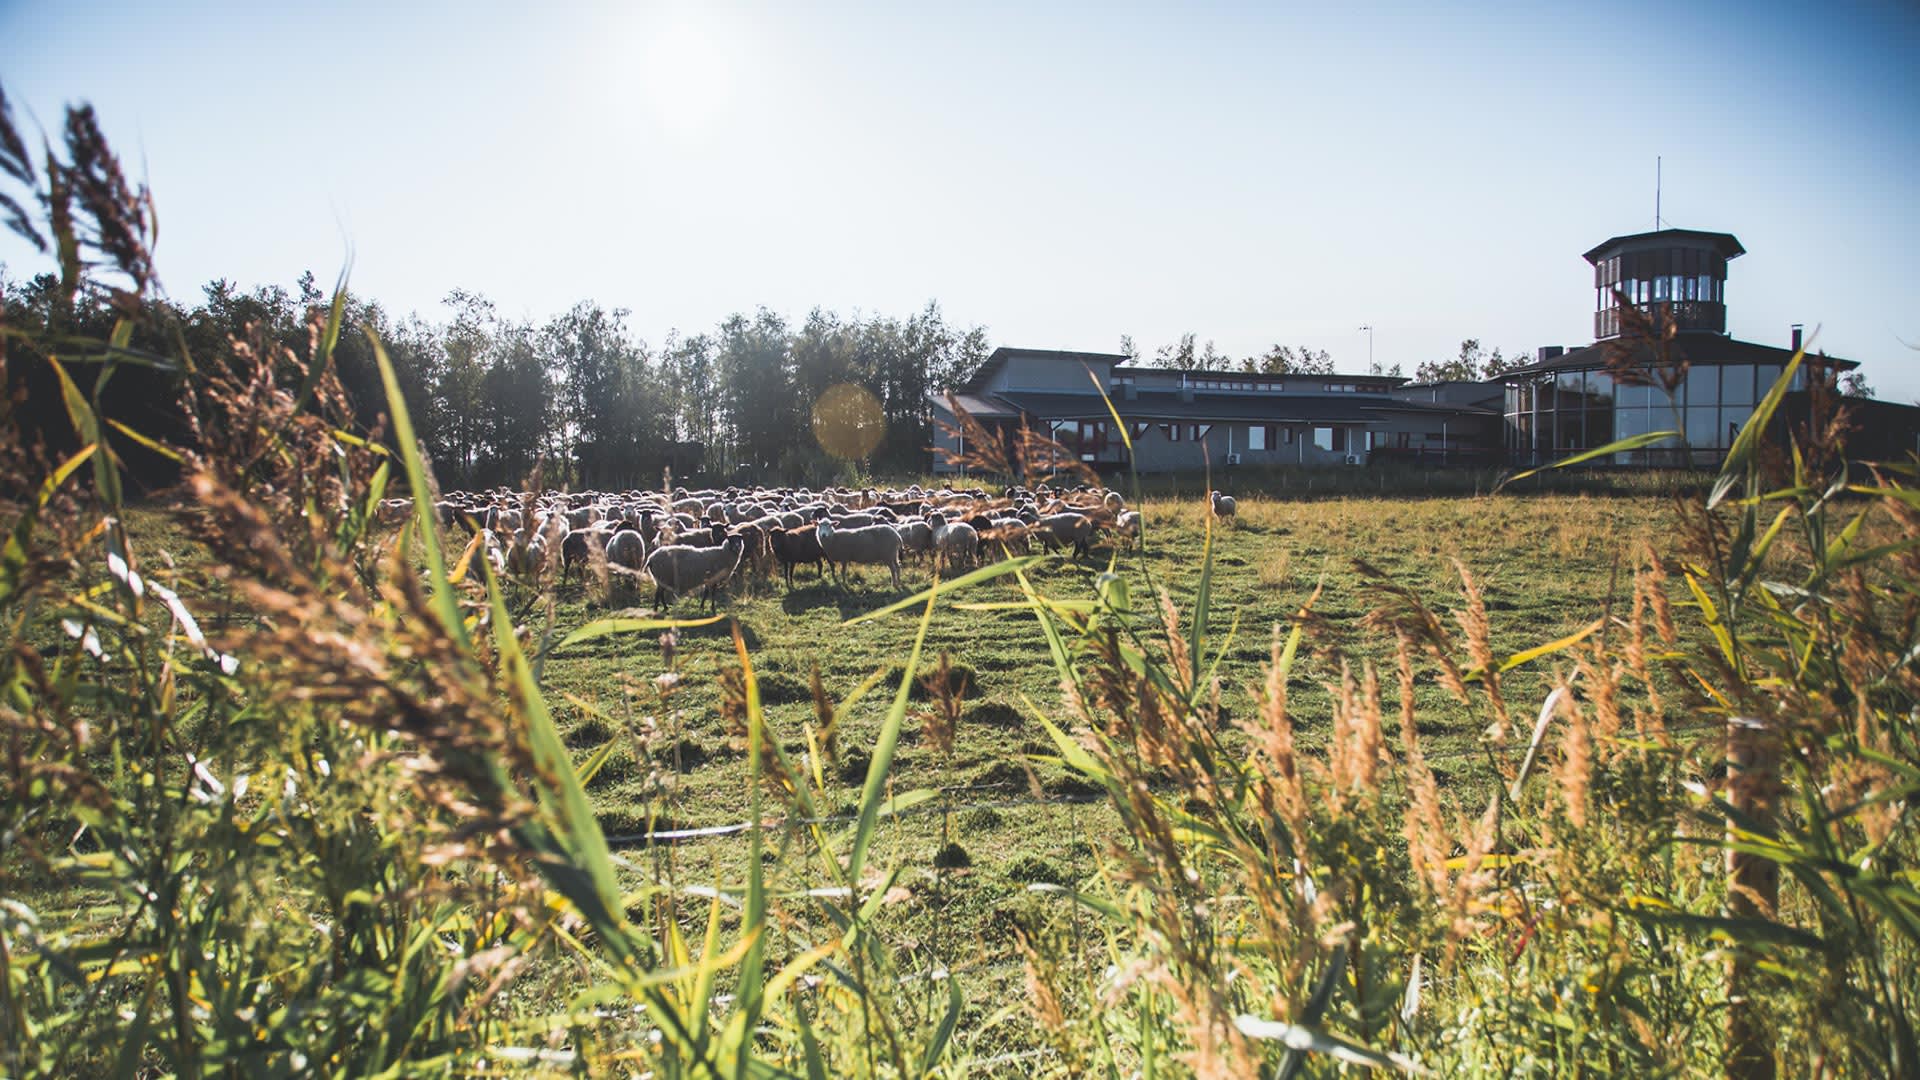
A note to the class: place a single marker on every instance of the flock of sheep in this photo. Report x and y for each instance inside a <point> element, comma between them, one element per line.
<point>699,541</point>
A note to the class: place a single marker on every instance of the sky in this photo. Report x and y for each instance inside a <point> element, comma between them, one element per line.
<point>1062,174</point>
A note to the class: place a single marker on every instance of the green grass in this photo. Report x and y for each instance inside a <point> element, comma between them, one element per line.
<point>1545,564</point>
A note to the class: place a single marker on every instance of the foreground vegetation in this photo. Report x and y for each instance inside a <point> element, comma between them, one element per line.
<point>1628,788</point>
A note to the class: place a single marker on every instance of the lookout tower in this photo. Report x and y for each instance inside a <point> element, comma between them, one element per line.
<point>1683,268</point>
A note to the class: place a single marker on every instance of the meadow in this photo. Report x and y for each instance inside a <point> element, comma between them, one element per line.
<point>1515,783</point>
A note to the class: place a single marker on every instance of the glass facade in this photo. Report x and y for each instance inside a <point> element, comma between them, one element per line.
<point>1554,415</point>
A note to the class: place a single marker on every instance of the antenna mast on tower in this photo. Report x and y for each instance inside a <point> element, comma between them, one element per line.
<point>1656,193</point>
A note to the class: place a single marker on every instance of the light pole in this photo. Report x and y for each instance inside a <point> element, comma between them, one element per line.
<point>1371,370</point>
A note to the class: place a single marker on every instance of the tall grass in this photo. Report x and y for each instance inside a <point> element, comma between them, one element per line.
<point>303,808</point>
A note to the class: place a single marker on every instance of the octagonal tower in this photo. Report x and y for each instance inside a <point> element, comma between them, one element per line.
<point>1684,268</point>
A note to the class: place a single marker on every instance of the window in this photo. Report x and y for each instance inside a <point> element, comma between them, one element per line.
<point>1256,437</point>
<point>1141,427</point>
<point>1323,437</point>
<point>1171,431</point>
<point>1289,432</point>
<point>1703,389</point>
<point>1200,431</point>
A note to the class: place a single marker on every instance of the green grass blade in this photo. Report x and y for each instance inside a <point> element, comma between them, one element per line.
<point>1747,443</point>
<point>569,803</point>
<point>604,627</point>
<point>883,747</point>
<point>754,919</point>
<point>1634,442</point>
<point>1202,604</point>
<point>86,424</point>
<point>985,573</point>
<point>444,602</point>
<point>937,1046</point>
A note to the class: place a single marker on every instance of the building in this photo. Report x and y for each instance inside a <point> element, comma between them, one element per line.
<point>1190,420</point>
<point>1566,402</point>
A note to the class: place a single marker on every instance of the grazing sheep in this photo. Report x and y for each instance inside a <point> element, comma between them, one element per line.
<point>1062,529</point>
<point>678,569</point>
<point>626,555</point>
<point>578,546</point>
<point>958,542</point>
<point>1223,505</point>
<point>493,551</point>
<point>916,538</point>
<point>1011,535</point>
<point>1128,524</point>
<point>1113,502</point>
<point>794,546</point>
<point>874,545</point>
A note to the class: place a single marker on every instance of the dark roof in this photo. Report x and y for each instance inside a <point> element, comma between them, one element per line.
<point>1725,243</point>
<point>1705,349</point>
<point>979,406</point>
<point>1278,408</point>
<point>1001,354</point>
<point>1263,376</point>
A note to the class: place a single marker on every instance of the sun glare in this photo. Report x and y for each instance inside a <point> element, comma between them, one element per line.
<point>686,75</point>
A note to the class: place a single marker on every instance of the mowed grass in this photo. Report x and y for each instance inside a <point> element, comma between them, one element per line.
<point>1545,564</point>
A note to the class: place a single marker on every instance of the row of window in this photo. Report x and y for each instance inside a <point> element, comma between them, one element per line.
<point>1663,262</point>
<point>1090,437</point>
<point>1661,290</point>
<point>1733,384</point>
<point>1579,410</point>
<point>1249,385</point>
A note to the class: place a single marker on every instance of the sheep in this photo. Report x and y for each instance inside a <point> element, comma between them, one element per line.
<point>794,546</point>
<point>578,546</point>
<point>1010,534</point>
<point>1128,524</point>
<point>493,551</point>
<point>874,545</point>
<point>1223,505</point>
<point>916,537</point>
<point>1065,528</point>
<point>952,543</point>
<point>627,551</point>
<point>680,568</point>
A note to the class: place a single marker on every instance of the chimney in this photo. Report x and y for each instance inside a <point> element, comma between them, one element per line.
<point>1549,352</point>
<point>1796,336</point>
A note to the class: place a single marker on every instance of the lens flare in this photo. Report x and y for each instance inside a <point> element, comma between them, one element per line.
<point>848,422</point>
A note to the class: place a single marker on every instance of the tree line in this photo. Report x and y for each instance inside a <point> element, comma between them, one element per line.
<point>579,394</point>
<point>1473,362</point>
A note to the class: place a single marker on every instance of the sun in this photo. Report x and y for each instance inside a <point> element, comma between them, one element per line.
<point>686,75</point>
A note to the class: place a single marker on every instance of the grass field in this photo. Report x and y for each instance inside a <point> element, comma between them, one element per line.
<point>1545,563</point>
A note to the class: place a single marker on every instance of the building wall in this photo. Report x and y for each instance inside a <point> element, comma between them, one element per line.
<point>944,440</point>
<point>1154,452</point>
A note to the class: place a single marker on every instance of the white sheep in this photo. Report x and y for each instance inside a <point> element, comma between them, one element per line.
<point>678,569</point>
<point>1128,524</point>
<point>627,551</point>
<point>873,545</point>
<point>955,542</point>
<point>1223,505</point>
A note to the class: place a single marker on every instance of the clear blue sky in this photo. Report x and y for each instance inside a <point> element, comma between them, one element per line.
<point>1061,174</point>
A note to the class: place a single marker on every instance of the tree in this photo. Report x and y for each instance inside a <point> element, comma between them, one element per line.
<point>1128,349</point>
<point>1179,355</point>
<point>1498,365</point>
<point>1286,360</point>
<point>1854,384</point>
